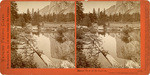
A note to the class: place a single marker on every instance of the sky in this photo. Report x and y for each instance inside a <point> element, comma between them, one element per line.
<point>24,5</point>
<point>89,5</point>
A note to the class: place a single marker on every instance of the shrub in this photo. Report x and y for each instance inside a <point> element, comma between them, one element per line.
<point>17,61</point>
<point>125,34</point>
<point>70,34</point>
<point>86,21</point>
<point>81,58</point>
<point>79,33</point>
<point>60,39</point>
<point>14,34</point>
<point>93,30</point>
<point>101,22</point>
<point>60,36</point>
<point>20,22</point>
<point>93,64</point>
<point>35,23</point>
<point>82,61</point>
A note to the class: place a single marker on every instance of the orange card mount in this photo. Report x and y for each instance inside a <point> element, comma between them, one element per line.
<point>74,37</point>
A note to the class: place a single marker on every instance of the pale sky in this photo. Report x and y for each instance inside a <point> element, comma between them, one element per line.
<point>24,5</point>
<point>89,5</point>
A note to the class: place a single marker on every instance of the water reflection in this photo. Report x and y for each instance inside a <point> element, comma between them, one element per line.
<point>110,45</point>
<point>43,44</point>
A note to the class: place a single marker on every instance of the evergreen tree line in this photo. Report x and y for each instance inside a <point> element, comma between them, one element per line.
<point>101,18</point>
<point>69,17</point>
<point>22,19</point>
<point>35,18</point>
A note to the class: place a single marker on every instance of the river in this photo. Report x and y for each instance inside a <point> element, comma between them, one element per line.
<point>43,44</point>
<point>51,48</point>
<point>110,45</point>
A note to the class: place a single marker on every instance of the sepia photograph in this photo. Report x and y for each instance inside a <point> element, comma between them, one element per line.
<point>71,37</point>
<point>42,34</point>
<point>108,34</point>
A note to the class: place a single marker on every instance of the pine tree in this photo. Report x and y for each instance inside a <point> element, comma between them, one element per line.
<point>98,12</point>
<point>70,17</point>
<point>91,17</point>
<point>104,16</point>
<point>32,12</point>
<point>94,15</point>
<point>110,17</point>
<point>54,17</point>
<point>25,17</point>
<point>28,16</point>
<point>44,18</point>
<point>14,14</point>
<point>35,19</point>
<point>79,11</point>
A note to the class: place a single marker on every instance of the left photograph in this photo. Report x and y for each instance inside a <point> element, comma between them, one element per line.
<point>42,34</point>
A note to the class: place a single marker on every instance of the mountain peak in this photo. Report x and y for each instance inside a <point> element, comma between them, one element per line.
<point>58,7</point>
<point>124,7</point>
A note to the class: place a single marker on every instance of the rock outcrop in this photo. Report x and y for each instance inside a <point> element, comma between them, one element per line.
<point>124,7</point>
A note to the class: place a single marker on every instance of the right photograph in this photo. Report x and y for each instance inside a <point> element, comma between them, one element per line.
<point>108,34</point>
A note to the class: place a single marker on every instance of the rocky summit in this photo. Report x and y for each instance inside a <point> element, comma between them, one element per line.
<point>124,7</point>
<point>58,7</point>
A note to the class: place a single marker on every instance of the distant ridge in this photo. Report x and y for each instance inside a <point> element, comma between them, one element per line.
<point>58,7</point>
<point>124,7</point>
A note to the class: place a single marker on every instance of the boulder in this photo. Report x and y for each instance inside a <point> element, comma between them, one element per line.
<point>64,51</point>
<point>130,51</point>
